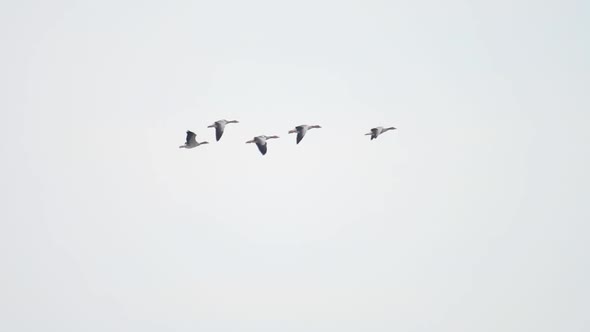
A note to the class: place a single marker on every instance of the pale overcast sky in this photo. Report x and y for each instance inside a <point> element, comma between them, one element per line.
<point>472,216</point>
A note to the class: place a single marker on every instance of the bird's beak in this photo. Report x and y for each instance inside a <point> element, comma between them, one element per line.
<point>211,126</point>
<point>292,131</point>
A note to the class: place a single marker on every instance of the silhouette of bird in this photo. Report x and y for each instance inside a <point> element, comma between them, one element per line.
<point>191,141</point>
<point>261,142</point>
<point>302,130</point>
<point>220,127</point>
<point>375,132</point>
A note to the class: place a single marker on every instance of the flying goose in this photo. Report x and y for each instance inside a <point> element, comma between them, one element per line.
<point>375,132</point>
<point>191,141</point>
<point>261,142</point>
<point>220,126</point>
<point>301,131</point>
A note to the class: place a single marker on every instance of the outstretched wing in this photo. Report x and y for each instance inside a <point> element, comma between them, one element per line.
<point>218,132</point>
<point>190,137</point>
<point>300,134</point>
<point>375,132</point>
<point>301,130</point>
<point>262,147</point>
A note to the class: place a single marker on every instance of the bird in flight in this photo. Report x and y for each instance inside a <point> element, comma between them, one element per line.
<point>302,130</point>
<point>375,132</point>
<point>220,127</point>
<point>191,141</point>
<point>261,142</point>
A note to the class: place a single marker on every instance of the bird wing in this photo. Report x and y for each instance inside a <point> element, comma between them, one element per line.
<point>262,147</point>
<point>190,137</point>
<point>300,134</point>
<point>218,132</point>
<point>375,132</point>
<point>301,131</point>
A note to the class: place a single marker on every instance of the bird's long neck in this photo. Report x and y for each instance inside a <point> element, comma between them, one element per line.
<point>232,121</point>
<point>182,147</point>
<point>390,128</point>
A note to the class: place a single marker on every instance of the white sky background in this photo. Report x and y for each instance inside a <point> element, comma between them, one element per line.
<point>472,216</point>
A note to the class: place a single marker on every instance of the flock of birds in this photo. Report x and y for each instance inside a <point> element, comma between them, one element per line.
<point>260,141</point>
